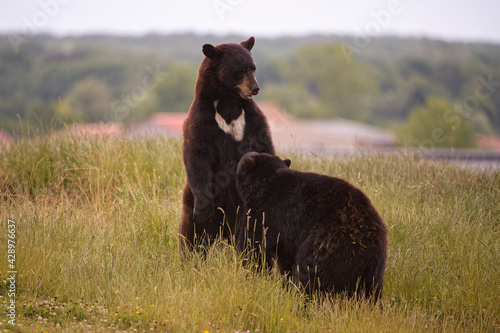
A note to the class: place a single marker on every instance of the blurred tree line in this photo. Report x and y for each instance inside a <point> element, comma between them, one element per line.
<point>416,85</point>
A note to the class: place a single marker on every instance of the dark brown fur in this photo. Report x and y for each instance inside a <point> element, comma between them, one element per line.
<point>320,230</point>
<point>210,198</point>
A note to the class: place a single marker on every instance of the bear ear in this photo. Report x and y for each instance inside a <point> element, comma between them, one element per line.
<point>249,163</point>
<point>287,162</point>
<point>248,44</point>
<point>210,51</point>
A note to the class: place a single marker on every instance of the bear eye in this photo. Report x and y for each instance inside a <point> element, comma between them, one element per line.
<point>244,70</point>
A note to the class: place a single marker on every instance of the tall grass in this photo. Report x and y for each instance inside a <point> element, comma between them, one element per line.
<point>97,245</point>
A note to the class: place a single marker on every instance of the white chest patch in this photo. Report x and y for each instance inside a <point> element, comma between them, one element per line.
<point>236,128</point>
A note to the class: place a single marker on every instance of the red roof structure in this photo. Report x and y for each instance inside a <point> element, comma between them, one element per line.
<point>166,123</point>
<point>489,142</point>
<point>287,132</point>
<point>170,123</point>
<point>96,129</point>
<point>5,138</point>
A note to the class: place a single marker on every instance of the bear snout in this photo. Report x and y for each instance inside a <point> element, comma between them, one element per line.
<point>248,87</point>
<point>252,84</point>
<point>245,92</point>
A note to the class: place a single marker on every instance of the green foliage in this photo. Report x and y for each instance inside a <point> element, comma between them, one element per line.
<point>175,93</point>
<point>41,115</point>
<point>318,81</point>
<point>172,92</point>
<point>296,100</point>
<point>345,87</point>
<point>437,124</point>
<point>481,124</point>
<point>89,99</point>
<point>310,77</point>
<point>96,239</point>
<point>65,114</point>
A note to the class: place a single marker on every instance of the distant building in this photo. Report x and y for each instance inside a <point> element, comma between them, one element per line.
<point>488,142</point>
<point>276,116</point>
<point>5,138</point>
<point>96,129</point>
<point>170,123</point>
<point>164,123</point>
<point>287,132</point>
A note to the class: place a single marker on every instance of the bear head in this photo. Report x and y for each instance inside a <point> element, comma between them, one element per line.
<point>254,168</point>
<point>230,68</point>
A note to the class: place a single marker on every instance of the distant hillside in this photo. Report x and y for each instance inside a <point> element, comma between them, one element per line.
<point>88,78</point>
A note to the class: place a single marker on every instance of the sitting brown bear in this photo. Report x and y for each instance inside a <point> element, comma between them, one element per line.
<point>321,231</point>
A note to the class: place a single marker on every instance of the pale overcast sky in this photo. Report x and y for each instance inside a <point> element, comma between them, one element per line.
<point>455,20</point>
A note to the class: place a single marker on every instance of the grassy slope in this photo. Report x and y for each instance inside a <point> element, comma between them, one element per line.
<point>96,246</point>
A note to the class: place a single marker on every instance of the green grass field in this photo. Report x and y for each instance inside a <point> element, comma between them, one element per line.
<point>96,246</point>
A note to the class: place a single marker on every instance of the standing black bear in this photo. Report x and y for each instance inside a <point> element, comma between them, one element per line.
<point>322,231</point>
<point>223,124</point>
